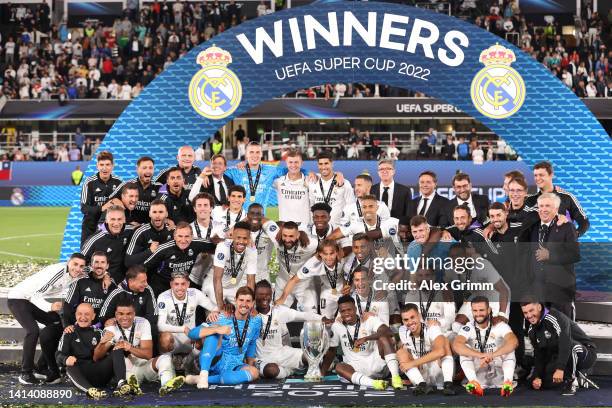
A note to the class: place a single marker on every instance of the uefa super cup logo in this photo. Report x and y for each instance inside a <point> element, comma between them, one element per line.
<point>497,90</point>
<point>215,91</point>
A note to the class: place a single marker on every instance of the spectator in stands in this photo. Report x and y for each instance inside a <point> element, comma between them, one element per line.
<point>448,148</point>
<point>463,149</point>
<point>74,153</point>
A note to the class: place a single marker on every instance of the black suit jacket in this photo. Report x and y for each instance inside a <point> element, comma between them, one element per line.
<point>400,200</point>
<point>211,188</point>
<point>481,203</point>
<point>436,213</point>
<point>555,278</point>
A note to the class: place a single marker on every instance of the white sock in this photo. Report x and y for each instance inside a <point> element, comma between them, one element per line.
<point>508,366</point>
<point>448,368</point>
<point>415,376</point>
<point>392,363</point>
<point>283,372</point>
<point>361,379</point>
<point>164,368</point>
<point>467,364</point>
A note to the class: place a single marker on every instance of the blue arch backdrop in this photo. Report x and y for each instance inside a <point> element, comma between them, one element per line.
<point>553,124</point>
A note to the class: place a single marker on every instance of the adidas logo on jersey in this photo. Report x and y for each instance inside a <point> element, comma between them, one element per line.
<point>88,290</point>
<point>109,250</point>
<point>173,257</point>
<point>98,189</point>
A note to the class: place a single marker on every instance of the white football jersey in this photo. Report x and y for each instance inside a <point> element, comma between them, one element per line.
<point>168,305</point>
<point>341,333</point>
<point>316,267</point>
<point>294,257</point>
<point>389,229</point>
<point>413,344</point>
<point>224,219</point>
<point>352,212</point>
<point>492,343</point>
<point>338,199</point>
<point>248,266</point>
<point>293,200</point>
<point>141,331</point>
<point>277,335</point>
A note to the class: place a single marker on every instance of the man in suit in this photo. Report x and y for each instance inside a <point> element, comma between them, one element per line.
<point>218,183</point>
<point>430,204</point>
<point>396,196</point>
<point>478,204</point>
<point>552,254</point>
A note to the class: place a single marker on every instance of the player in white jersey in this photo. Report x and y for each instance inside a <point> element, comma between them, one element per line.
<point>133,335</point>
<point>263,235</point>
<point>361,256</point>
<point>202,227</point>
<point>366,346</point>
<point>387,242</point>
<point>367,299</point>
<point>275,356</point>
<point>483,272</point>
<point>292,251</point>
<point>224,217</point>
<point>327,265</point>
<point>321,229</point>
<point>424,354</point>
<point>434,304</point>
<point>353,211</point>
<point>486,351</point>
<point>177,308</point>
<point>235,265</point>
<point>292,192</point>
<point>330,189</point>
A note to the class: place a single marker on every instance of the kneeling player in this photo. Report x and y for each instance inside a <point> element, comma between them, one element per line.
<point>363,359</point>
<point>274,359</point>
<point>228,343</point>
<point>425,355</point>
<point>486,351</point>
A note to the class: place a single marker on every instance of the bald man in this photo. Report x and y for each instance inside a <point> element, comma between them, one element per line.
<point>185,159</point>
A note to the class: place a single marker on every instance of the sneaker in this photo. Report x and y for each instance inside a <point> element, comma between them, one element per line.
<point>96,393</point>
<point>53,378</point>
<point>474,388</point>
<point>423,389</point>
<point>569,388</point>
<point>585,382</point>
<point>172,385</point>
<point>448,389</point>
<point>380,385</point>
<point>396,382</point>
<point>40,374</point>
<point>123,389</point>
<point>202,380</point>
<point>507,388</point>
<point>134,386</point>
<point>28,379</point>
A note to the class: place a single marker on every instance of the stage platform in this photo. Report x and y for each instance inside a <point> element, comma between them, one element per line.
<point>295,392</point>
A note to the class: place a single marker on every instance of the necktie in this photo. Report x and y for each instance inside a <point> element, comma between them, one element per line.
<point>385,196</point>
<point>424,207</point>
<point>543,231</point>
<point>222,194</point>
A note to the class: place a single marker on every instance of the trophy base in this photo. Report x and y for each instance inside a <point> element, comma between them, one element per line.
<point>313,375</point>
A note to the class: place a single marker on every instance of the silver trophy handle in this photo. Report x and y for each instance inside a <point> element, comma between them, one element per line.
<point>315,342</point>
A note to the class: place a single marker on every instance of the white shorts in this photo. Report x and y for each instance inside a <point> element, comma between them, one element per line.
<point>142,369</point>
<point>432,373</point>
<point>287,357</point>
<point>329,303</point>
<point>371,366</point>
<point>303,292</point>
<point>491,376</point>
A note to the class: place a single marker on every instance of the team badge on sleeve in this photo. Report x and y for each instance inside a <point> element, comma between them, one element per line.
<point>497,90</point>
<point>305,270</point>
<point>220,256</point>
<point>272,228</point>
<point>161,305</point>
<point>215,91</point>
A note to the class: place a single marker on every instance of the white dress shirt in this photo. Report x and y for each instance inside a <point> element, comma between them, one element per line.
<point>382,190</point>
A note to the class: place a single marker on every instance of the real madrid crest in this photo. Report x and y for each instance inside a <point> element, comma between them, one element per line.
<point>497,90</point>
<point>215,91</point>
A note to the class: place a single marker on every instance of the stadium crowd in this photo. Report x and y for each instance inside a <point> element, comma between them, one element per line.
<point>42,60</point>
<point>172,281</point>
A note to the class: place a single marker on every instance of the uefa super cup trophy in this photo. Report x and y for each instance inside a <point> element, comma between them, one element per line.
<point>315,342</point>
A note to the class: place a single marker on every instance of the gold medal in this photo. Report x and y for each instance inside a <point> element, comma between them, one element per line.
<point>356,349</point>
<point>252,198</point>
<point>334,291</point>
<point>233,281</point>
